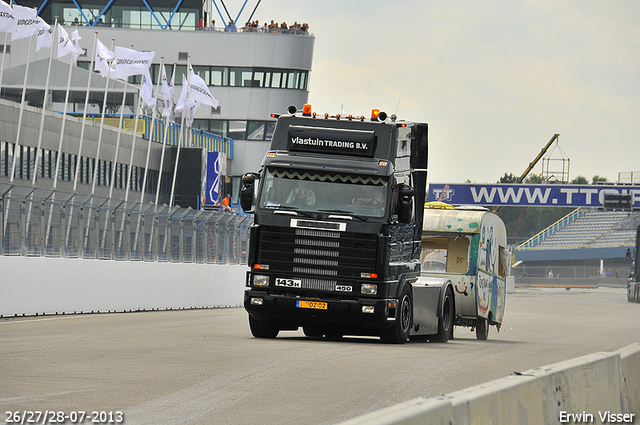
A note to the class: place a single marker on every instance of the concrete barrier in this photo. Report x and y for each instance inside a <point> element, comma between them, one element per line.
<point>598,388</point>
<point>594,282</point>
<point>37,285</point>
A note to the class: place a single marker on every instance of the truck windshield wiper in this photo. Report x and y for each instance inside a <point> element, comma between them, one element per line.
<point>351,214</point>
<point>294,209</point>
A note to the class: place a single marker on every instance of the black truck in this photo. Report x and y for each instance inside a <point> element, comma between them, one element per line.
<point>335,244</point>
<point>633,285</point>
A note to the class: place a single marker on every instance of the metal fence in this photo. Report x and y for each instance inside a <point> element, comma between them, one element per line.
<point>46,223</point>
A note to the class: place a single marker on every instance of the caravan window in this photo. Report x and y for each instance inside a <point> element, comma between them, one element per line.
<point>445,254</point>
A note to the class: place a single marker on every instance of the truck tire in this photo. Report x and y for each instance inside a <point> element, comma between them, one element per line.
<point>482,329</point>
<point>445,323</point>
<point>399,332</point>
<point>263,328</point>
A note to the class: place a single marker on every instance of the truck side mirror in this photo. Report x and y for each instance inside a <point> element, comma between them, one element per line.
<point>405,204</point>
<point>246,192</point>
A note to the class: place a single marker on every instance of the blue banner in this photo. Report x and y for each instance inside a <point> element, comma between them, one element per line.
<point>540,195</point>
<point>212,193</point>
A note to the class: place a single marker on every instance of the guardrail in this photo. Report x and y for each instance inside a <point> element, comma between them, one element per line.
<point>46,223</point>
<point>597,388</point>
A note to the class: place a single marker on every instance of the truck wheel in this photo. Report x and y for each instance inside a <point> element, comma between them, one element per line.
<point>445,323</point>
<point>263,328</point>
<point>399,332</point>
<point>482,329</point>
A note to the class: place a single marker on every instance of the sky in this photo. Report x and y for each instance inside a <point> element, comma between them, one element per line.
<point>495,80</point>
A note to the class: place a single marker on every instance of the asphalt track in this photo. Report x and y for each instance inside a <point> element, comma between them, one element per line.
<point>204,367</point>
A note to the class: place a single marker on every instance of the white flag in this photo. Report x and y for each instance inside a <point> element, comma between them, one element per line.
<point>65,45</point>
<point>167,93</point>
<point>146,91</point>
<point>183,102</point>
<point>200,92</point>
<point>26,22</point>
<point>7,18</point>
<point>45,35</point>
<point>103,56</point>
<point>75,39</point>
<point>192,115</point>
<point>130,62</point>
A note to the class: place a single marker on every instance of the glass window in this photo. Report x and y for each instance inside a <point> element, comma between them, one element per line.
<point>237,130</point>
<point>219,76</point>
<point>291,82</point>
<point>218,127</point>
<point>255,130</point>
<point>271,125</point>
<point>304,75</point>
<point>200,124</point>
<point>324,192</point>
<point>180,70</point>
<point>276,78</point>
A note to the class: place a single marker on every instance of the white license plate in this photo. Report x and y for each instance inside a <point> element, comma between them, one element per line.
<point>289,283</point>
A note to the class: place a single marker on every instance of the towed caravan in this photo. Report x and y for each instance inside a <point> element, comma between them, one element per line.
<point>466,246</point>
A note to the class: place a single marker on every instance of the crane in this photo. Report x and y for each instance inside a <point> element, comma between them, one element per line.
<point>533,164</point>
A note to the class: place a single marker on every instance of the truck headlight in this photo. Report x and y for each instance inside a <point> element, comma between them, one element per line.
<point>369,288</point>
<point>260,280</point>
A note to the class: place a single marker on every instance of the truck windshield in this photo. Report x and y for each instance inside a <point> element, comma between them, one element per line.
<point>341,193</point>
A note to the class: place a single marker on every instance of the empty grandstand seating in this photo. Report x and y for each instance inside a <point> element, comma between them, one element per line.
<point>591,229</point>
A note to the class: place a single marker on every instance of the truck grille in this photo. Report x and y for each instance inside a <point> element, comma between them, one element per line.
<point>310,255</point>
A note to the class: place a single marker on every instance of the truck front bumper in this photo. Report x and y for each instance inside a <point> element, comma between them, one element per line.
<point>291,312</point>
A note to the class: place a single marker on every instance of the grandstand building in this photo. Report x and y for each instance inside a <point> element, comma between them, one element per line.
<point>251,73</point>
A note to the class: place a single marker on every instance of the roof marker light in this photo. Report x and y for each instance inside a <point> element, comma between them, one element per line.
<point>374,114</point>
<point>326,115</point>
<point>306,110</point>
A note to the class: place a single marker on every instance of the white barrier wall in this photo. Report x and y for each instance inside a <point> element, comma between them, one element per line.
<point>37,285</point>
<point>597,384</point>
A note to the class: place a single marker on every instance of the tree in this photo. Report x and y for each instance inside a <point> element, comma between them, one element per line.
<point>508,178</point>
<point>597,179</point>
<point>533,179</point>
<point>580,180</point>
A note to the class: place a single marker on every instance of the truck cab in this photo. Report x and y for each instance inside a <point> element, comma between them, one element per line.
<point>335,243</point>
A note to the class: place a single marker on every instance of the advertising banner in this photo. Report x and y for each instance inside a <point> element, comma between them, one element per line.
<point>214,176</point>
<point>538,195</point>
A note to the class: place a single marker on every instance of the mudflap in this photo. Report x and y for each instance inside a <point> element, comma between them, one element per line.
<point>427,298</point>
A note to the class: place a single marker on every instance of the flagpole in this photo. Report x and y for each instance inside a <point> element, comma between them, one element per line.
<point>24,93</point>
<point>44,104</point>
<point>164,142</point>
<point>104,107</point>
<point>64,122</point>
<point>84,114</point>
<point>4,52</point>
<point>120,125</point>
<point>153,126</point>
<point>133,142</point>
<point>175,168</point>
<point>59,154</point>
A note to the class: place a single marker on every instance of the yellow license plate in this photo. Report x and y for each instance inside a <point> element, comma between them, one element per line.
<point>311,304</point>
